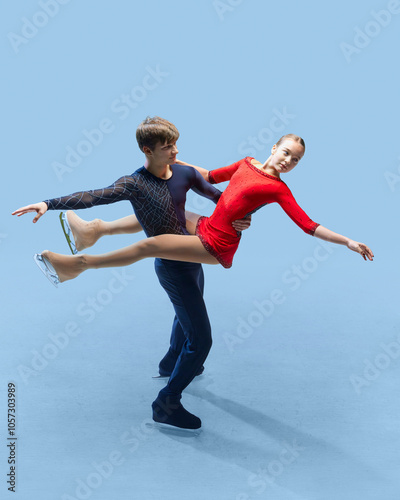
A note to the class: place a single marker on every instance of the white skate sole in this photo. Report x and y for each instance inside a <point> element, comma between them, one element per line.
<point>173,430</point>
<point>68,233</point>
<point>47,269</point>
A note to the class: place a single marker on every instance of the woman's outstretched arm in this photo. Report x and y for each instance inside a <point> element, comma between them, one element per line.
<point>326,234</point>
<point>285,198</point>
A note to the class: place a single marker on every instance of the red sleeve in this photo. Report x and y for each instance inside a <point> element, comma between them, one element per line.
<point>294,211</point>
<point>223,174</point>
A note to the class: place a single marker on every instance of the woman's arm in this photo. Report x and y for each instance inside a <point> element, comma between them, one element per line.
<point>326,234</point>
<point>217,175</point>
<point>285,198</point>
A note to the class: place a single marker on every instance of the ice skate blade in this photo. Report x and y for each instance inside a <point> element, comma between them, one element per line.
<point>173,430</point>
<point>47,269</point>
<point>166,377</point>
<point>68,233</point>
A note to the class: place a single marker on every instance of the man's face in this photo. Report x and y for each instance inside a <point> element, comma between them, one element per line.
<point>165,153</point>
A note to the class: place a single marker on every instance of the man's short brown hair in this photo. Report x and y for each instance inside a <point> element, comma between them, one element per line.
<point>154,130</point>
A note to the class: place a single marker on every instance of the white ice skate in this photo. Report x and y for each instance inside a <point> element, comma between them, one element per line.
<point>47,269</point>
<point>68,232</point>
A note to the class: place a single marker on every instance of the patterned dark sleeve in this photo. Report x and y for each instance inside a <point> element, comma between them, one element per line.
<point>122,189</point>
<point>204,188</point>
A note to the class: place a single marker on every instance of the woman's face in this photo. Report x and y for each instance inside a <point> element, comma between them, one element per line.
<point>286,156</point>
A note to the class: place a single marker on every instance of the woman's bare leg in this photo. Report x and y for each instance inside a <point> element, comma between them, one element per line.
<point>191,221</point>
<point>166,246</point>
<point>86,233</point>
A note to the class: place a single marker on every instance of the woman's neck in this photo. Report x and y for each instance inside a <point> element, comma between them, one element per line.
<point>269,169</point>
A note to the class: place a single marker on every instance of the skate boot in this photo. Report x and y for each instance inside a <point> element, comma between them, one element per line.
<point>169,412</point>
<point>47,269</point>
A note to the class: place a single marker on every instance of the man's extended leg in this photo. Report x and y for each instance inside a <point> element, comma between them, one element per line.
<point>183,283</point>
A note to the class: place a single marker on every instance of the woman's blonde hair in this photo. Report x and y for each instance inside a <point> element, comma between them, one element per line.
<point>294,138</point>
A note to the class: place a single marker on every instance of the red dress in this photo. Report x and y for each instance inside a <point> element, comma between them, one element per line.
<point>249,189</point>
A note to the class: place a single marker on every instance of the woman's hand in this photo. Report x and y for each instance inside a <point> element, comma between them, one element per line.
<point>361,249</point>
<point>40,209</point>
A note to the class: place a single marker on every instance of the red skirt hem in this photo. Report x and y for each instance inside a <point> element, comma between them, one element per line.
<point>210,249</point>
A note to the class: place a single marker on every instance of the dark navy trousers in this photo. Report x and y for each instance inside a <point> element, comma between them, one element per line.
<point>191,330</point>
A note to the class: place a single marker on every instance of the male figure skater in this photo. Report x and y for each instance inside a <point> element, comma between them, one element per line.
<point>157,192</point>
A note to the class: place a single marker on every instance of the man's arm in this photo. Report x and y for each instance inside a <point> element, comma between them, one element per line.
<point>203,172</point>
<point>119,190</point>
<point>40,209</point>
<point>203,188</point>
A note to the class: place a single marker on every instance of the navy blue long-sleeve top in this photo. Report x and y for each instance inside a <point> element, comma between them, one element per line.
<point>159,204</point>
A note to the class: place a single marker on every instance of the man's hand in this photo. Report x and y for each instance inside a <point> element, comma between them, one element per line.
<point>242,224</point>
<point>40,209</point>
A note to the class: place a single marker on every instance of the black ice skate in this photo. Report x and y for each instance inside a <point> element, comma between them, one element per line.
<point>170,413</point>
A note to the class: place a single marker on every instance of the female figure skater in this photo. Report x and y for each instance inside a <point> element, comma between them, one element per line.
<point>252,185</point>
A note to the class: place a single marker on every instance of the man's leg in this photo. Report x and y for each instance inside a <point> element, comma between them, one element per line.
<point>184,283</point>
<point>167,364</point>
<point>177,340</point>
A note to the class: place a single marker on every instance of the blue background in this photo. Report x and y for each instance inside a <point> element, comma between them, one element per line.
<point>317,367</point>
